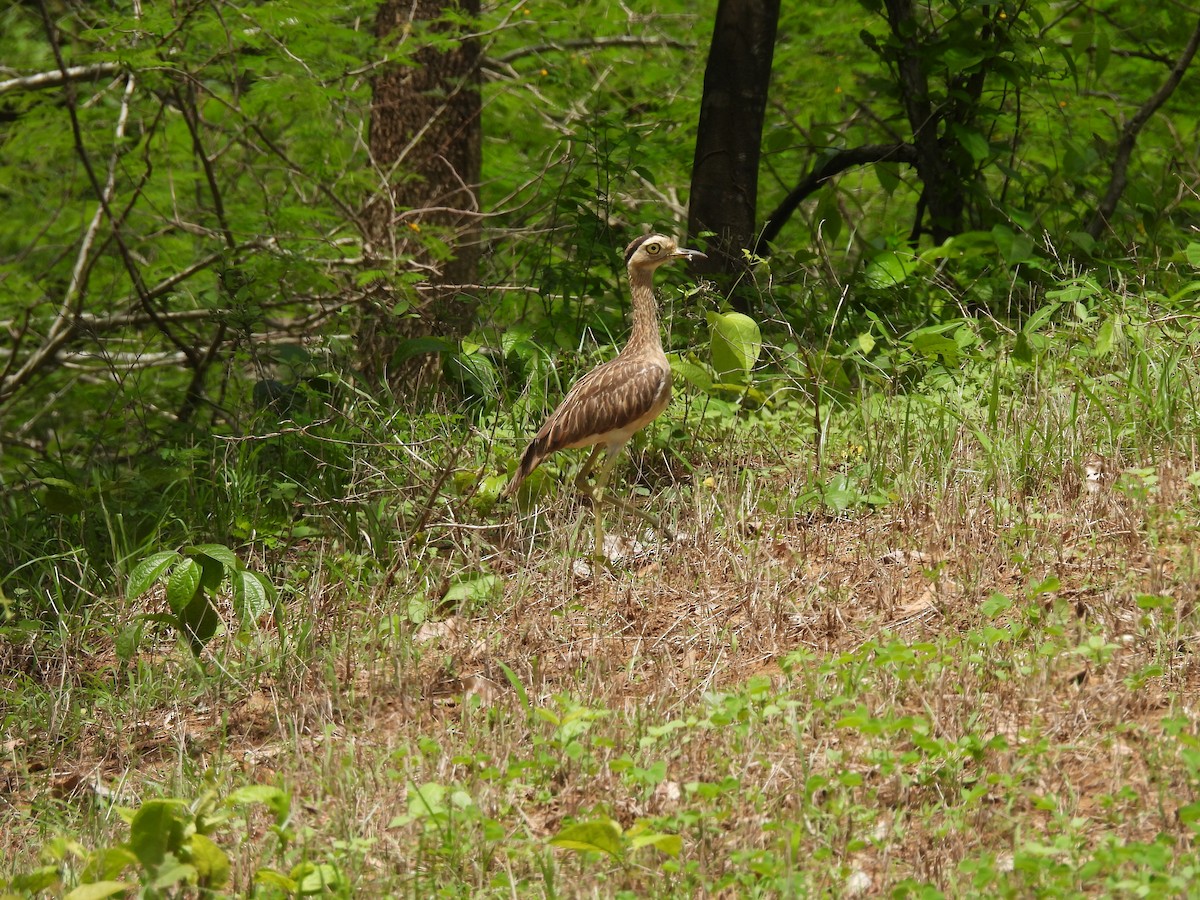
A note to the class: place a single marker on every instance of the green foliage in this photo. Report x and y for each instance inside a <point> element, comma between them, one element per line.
<point>193,579</point>
<point>174,846</point>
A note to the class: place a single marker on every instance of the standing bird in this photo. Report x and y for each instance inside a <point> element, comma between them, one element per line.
<point>609,404</point>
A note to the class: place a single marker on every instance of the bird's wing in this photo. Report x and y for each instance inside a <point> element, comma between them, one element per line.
<point>621,394</point>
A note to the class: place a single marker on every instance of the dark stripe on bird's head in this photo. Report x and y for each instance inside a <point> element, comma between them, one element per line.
<point>633,245</point>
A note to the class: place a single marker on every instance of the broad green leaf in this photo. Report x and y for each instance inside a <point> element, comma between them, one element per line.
<point>216,552</point>
<point>100,889</point>
<point>474,590</point>
<point>890,269</point>
<point>972,141</point>
<point>40,879</point>
<point>994,605</point>
<point>172,874</point>
<point>210,861</point>
<point>311,878</point>
<point>275,799</point>
<point>670,844</point>
<point>934,345</point>
<point>426,799</point>
<point>600,836</point>
<point>1105,337</point>
<point>696,376</point>
<point>736,342</point>
<point>198,622</point>
<point>253,594</point>
<point>126,644</point>
<point>1192,252</point>
<point>147,572</point>
<point>156,830</point>
<point>183,585</point>
<point>272,878</point>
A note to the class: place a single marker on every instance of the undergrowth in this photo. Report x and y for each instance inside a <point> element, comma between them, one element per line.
<point>929,630</point>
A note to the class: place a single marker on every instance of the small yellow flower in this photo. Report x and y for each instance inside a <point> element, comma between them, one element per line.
<point>544,73</point>
<point>1003,14</point>
<point>414,226</point>
<point>838,89</point>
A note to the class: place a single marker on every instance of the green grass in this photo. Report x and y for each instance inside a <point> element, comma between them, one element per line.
<point>928,661</point>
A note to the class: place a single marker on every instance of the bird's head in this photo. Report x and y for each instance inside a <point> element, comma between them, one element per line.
<point>652,250</point>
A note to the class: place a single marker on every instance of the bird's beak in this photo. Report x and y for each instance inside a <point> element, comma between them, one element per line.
<point>685,253</point>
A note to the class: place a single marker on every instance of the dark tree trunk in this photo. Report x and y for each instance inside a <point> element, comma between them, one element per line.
<point>425,139</point>
<point>938,161</point>
<point>725,173</point>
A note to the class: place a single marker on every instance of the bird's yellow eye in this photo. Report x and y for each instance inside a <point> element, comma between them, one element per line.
<point>653,249</point>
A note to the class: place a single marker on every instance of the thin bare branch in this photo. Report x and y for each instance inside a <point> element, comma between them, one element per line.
<point>830,166</point>
<point>595,43</point>
<point>59,77</point>
<point>1129,134</point>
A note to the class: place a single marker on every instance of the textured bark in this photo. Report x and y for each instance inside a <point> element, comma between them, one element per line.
<point>725,173</point>
<point>942,180</point>
<point>425,138</point>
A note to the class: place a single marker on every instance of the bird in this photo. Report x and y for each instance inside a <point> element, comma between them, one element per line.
<point>615,400</point>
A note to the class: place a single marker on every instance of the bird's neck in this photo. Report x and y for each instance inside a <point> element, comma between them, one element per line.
<point>645,313</point>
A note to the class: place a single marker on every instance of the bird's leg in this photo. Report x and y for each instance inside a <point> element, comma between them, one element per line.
<point>598,497</point>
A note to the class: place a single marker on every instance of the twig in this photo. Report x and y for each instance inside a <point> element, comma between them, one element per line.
<point>624,40</point>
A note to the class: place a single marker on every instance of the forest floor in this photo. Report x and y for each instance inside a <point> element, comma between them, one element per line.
<point>990,695</point>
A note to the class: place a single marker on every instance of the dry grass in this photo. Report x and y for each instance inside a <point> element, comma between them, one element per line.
<point>816,704</point>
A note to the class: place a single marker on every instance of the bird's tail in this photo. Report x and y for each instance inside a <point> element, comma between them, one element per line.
<point>530,460</point>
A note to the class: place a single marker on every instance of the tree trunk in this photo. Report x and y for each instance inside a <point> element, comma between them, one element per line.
<point>426,143</point>
<point>942,175</point>
<point>725,173</point>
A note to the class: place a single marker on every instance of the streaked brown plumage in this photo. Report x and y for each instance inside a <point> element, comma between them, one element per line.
<point>609,404</point>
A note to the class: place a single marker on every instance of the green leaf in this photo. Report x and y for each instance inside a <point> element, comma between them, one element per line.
<point>670,844</point>
<point>994,605</point>
<point>277,800</point>
<point>156,830</point>
<point>890,269</point>
<point>126,644</point>
<point>311,878</point>
<point>174,873</point>
<point>100,890</point>
<point>932,345</point>
<point>183,585</point>
<point>474,590</point>
<point>736,343</point>
<point>210,861</point>
<point>198,622</point>
<point>1192,252</point>
<point>217,553</point>
<point>1189,815</point>
<point>1105,338</point>
<point>971,141</point>
<point>40,879</point>
<point>276,879</point>
<point>147,572</point>
<point>599,836</point>
<point>695,375</point>
<point>253,594</point>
